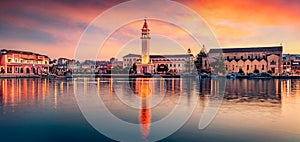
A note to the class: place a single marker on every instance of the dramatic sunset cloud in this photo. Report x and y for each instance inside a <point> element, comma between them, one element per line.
<point>54,27</point>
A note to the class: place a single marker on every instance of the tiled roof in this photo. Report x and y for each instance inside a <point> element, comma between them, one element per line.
<point>244,60</point>
<point>160,56</point>
<point>21,52</point>
<point>251,49</point>
<point>171,56</point>
<point>131,55</point>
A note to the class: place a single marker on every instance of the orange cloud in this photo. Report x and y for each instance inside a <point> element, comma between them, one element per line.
<point>235,23</point>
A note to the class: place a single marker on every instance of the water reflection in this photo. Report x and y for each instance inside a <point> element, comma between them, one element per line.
<point>28,91</point>
<point>142,87</point>
<point>266,100</point>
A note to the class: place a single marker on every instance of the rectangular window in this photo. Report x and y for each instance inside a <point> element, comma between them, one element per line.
<point>234,57</point>
<point>170,65</point>
<point>247,67</point>
<point>263,67</point>
<point>242,57</point>
<point>178,65</point>
<point>174,65</point>
<point>16,60</point>
<point>227,57</point>
<point>9,60</point>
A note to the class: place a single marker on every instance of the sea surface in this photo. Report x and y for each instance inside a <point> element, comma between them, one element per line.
<point>249,109</point>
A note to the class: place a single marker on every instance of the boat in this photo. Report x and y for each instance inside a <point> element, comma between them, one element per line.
<point>47,75</point>
<point>263,75</point>
<point>68,76</point>
<point>231,75</point>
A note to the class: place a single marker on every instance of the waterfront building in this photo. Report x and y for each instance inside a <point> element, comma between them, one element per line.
<point>249,60</point>
<point>62,64</point>
<point>291,63</point>
<point>177,63</point>
<point>103,67</point>
<point>150,63</point>
<point>88,66</point>
<point>13,62</point>
<point>114,62</point>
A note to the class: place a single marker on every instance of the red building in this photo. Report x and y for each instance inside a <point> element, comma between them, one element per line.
<point>13,62</point>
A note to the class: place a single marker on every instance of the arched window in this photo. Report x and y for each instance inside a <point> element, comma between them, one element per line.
<point>273,62</point>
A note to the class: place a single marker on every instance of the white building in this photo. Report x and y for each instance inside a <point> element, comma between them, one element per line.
<point>177,62</point>
<point>149,63</point>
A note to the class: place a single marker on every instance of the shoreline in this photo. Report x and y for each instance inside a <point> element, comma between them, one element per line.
<point>138,76</point>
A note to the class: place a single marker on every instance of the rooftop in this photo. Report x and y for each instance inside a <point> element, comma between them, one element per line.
<point>248,49</point>
<point>4,51</point>
<point>160,56</point>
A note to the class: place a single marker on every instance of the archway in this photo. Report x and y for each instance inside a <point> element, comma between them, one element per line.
<point>33,70</point>
<point>27,70</point>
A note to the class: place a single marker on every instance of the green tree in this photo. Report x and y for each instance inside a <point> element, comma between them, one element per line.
<point>218,65</point>
<point>199,59</point>
<point>256,71</point>
<point>120,70</point>
<point>134,67</point>
<point>241,71</point>
<point>162,68</point>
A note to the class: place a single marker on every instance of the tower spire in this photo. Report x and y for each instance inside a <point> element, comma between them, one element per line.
<point>145,30</point>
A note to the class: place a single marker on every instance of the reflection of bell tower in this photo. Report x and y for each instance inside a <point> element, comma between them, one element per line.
<point>145,111</point>
<point>145,43</point>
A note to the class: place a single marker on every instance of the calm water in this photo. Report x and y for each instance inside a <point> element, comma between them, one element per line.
<point>252,110</point>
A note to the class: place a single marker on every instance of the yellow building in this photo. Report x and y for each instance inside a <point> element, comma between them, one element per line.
<point>259,59</point>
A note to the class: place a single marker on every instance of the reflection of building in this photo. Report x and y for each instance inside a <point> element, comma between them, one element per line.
<point>141,87</point>
<point>291,63</point>
<point>145,111</point>
<point>149,63</point>
<point>13,62</point>
<point>262,59</point>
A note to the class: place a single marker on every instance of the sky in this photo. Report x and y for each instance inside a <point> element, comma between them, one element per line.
<point>54,27</point>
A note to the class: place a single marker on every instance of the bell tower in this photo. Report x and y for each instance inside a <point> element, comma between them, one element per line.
<point>145,37</point>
